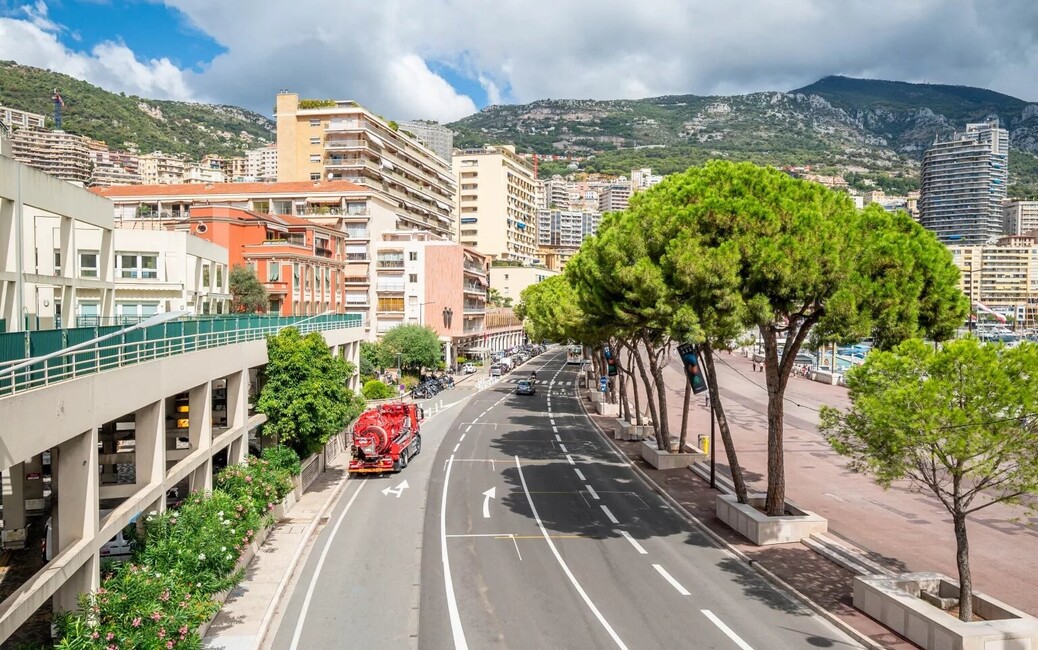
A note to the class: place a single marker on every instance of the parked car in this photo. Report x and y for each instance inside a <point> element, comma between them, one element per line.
<point>468,368</point>
<point>525,387</point>
<point>497,370</point>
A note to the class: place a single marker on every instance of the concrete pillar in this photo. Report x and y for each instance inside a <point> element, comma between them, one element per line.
<point>200,433</point>
<point>14,532</point>
<point>238,415</point>
<point>75,516</point>
<point>150,444</point>
<point>34,484</point>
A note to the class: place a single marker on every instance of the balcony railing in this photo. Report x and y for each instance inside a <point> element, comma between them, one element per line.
<point>356,257</point>
<point>46,365</point>
<point>389,287</point>
<point>391,264</point>
<point>357,233</point>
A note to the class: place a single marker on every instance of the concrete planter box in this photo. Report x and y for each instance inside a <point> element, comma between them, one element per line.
<point>605,408</point>
<point>667,459</point>
<point>895,602</point>
<point>624,430</point>
<point>826,377</point>
<point>763,530</point>
<point>596,397</point>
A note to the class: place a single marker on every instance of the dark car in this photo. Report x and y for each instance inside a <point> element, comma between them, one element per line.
<point>525,387</point>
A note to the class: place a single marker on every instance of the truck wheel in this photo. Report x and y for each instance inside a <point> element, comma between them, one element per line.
<point>403,459</point>
<point>417,446</point>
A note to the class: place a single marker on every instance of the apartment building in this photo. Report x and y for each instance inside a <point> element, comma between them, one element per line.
<point>964,183</point>
<point>429,280</point>
<point>110,167</point>
<point>261,165</point>
<point>511,281</point>
<point>159,168</point>
<point>62,155</point>
<point>496,203</point>
<point>1019,217</point>
<point>433,135</point>
<point>327,140</point>
<point>203,173</point>
<point>643,179</point>
<point>1002,276</point>
<point>13,118</point>
<point>565,228</point>
<point>301,263</point>
<point>615,196</point>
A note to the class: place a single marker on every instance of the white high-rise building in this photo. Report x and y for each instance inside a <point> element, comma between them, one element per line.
<point>262,164</point>
<point>433,135</point>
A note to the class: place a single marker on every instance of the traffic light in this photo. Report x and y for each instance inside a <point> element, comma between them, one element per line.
<point>690,360</point>
<point>610,361</point>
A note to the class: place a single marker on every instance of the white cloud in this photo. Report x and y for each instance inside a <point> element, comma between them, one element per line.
<point>383,54</point>
<point>113,66</point>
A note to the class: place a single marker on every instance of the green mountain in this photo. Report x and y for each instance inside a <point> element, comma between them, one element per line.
<point>875,129</point>
<point>124,122</point>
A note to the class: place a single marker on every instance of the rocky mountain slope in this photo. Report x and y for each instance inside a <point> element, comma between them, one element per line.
<point>124,122</point>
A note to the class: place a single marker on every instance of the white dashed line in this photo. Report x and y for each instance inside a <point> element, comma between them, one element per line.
<point>555,429</point>
<point>677,585</point>
<point>727,630</point>
<point>558,437</point>
<point>634,542</point>
<point>580,474</point>
<point>456,446</point>
<point>570,459</point>
<point>609,514</point>
<point>461,438</point>
<point>468,428</point>
<point>563,448</point>
<point>591,491</point>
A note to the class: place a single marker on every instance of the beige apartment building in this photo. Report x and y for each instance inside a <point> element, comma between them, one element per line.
<point>497,204</point>
<point>13,118</point>
<point>327,140</point>
<point>63,155</point>
<point>1019,217</point>
<point>511,281</point>
<point>1002,277</point>
<point>159,168</point>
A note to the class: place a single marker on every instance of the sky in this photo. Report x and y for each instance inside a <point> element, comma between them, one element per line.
<point>444,59</point>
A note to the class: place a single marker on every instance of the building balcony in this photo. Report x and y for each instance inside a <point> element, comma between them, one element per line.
<point>356,279</point>
<point>475,269</point>
<point>475,289</point>
<point>276,286</point>
<point>390,265</point>
<point>357,257</point>
<point>475,311</point>
<point>389,288</point>
<point>358,233</point>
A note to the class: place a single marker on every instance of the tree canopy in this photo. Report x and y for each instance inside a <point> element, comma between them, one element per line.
<point>959,421</point>
<point>418,346</point>
<point>304,394</point>
<point>247,292</point>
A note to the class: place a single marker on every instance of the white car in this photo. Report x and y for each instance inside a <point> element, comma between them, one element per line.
<point>468,368</point>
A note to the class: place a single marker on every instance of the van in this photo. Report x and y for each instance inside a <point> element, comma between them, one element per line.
<point>497,370</point>
<point>507,362</point>
<point>119,548</point>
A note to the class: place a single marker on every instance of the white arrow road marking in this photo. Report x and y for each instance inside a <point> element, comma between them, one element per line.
<point>396,491</point>
<point>487,496</point>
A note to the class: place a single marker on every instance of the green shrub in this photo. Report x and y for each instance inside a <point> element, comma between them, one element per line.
<point>256,485</point>
<point>283,458</point>
<point>375,389</point>
<point>409,382</point>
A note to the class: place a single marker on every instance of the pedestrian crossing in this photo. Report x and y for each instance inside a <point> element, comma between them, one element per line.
<point>539,382</point>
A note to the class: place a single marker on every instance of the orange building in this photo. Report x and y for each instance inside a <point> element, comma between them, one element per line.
<point>301,263</point>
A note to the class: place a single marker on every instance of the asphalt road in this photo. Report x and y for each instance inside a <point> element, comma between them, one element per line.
<point>538,536</point>
<point>520,528</point>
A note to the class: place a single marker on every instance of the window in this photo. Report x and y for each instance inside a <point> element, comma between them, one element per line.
<point>57,262</point>
<point>315,157</point>
<point>137,266</point>
<point>133,311</point>
<point>413,256</point>
<point>273,272</point>
<point>88,264</point>
<point>316,140</point>
<point>316,176</point>
<point>295,278</point>
<point>314,121</point>
<point>219,276</point>
<point>412,278</point>
<point>391,304</point>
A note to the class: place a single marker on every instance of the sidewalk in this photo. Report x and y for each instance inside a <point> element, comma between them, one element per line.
<point>825,583</point>
<point>248,612</point>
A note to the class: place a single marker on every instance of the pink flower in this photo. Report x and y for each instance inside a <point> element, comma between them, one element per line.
<point>156,615</point>
<point>136,622</point>
<point>165,596</point>
<point>162,634</point>
<point>183,631</point>
<point>169,644</point>
<point>109,636</point>
<point>112,646</point>
<point>95,635</point>
<point>248,479</point>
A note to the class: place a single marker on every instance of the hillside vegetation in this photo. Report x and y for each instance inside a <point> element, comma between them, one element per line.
<point>124,121</point>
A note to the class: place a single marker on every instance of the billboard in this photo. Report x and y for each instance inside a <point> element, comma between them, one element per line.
<point>690,361</point>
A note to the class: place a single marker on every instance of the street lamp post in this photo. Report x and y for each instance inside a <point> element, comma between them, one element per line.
<point>969,322</point>
<point>713,450</point>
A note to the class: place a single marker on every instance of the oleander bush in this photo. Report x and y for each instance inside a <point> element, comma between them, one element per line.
<point>186,557</point>
<point>375,389</point>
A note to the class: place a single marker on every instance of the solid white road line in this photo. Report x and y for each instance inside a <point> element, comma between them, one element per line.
<point>727,630</point>
<point>609,514</point>
<point>317,570</point>
<point>562,563</point>
<point>452,601</point>
<point>570,459</point>
<point>669,578</point>
<point>591,490</point>
<point>580,474</point>
<point>634,542</point>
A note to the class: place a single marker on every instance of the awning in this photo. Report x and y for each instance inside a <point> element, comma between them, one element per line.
<point>324,199</point>
<point>387,164</point>
<point>443,206</point>
<point>355,270</point>
<point>377,140</point>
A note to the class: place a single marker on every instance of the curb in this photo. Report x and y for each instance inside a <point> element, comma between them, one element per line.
<point>723,544</point>
<point>279,591</point>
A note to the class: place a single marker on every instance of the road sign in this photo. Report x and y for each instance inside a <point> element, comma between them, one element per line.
<point>603,384</point>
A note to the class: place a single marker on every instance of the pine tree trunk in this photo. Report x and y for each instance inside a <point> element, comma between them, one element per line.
<point>621,375</point>
<point>683,436</point>
<point>962,559</point>
<point>722,423</point>
<point>638,419</point>
<point>648,398</point>
<point>775,503</point>
<point>663,429</point>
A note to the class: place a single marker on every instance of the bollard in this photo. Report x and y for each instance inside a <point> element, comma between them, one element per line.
<point>704,443</point>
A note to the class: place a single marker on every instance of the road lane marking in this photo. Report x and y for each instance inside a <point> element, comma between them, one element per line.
<point>461,438</point>
<point>609,514</point>
<point>562,563</point>
<point>487,496</point>
<point>727,630</point>
<point>456,448</point>
<point>634,542</point>
<point>552,421</point>
<point>516,544</point>
<point>563,448</point>
<point>580,474</point>
<point>570,459</point>
<point>452,601</point>
<point>554,428</point>
<point>558,437</point>
<point>317,570</point>
<point>673,583</point>
<point>591,490</point>
<point>468,428</point>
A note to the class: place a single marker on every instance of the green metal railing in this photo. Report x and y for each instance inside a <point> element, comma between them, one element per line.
<point>31,360</point>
